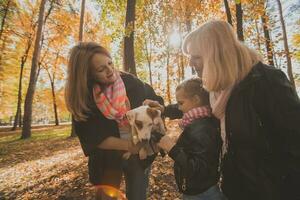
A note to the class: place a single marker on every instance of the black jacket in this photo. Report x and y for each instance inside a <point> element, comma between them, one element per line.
<point>263,135</point>
<point>97,128</point>
<point>196,156</point>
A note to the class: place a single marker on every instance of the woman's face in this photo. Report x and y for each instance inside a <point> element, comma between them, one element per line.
<point>186,103</point>
<point>197,63</point>
<point>103,69</point>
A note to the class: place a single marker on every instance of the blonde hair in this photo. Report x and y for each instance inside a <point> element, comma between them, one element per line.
<point>193,87</point>
<point>225,59</point>
<point>78,95</point>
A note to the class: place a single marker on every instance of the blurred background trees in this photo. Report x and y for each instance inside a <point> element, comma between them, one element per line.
<point>144,37</point>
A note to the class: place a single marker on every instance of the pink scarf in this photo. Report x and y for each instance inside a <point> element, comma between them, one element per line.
<point>195,113</point>
<point>112,101</point>
<point>218,102</point>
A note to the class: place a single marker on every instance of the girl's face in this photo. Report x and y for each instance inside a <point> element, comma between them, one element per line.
<point>186,103</point>
<point>103,69</point>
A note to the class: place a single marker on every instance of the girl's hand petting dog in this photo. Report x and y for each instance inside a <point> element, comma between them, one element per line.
<point>166,143</point>
<point>154,104</point>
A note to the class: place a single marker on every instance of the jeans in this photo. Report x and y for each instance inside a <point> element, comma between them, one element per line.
<point>136,178</point>
<point>213,193</point>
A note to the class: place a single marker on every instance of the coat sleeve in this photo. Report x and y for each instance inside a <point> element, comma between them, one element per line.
<point>201,154</point>
<point>173,112</point>
<point>278,105</point>
<point>93,131</point>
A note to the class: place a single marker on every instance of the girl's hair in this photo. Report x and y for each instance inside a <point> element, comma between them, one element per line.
<point>78,95</point>
<point>193,87</point>
<point>226,60</point>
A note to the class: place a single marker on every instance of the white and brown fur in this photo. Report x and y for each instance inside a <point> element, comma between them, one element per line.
<point>143,120</point>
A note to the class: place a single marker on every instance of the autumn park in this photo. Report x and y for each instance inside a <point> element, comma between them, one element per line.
<point>40,153</point>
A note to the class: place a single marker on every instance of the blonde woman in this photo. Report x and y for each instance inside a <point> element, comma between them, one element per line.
<point>98,96</point>
<point>259,112</point>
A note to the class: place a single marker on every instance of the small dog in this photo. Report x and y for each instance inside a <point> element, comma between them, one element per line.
<point>143,121</point>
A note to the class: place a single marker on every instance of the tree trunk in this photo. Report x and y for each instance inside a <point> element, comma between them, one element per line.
<point>180,60</point>
<point>168,76</point>
<point>148,56</point>
<point>18,116</point>
<point>81,20</point>
<point>269,49</point>
<point>54,103</point>
<point>18,112</point>
<point>257,36</point>
<point>182,65</point>
<point>239,20</point>
<point>73,132</point>
<point>6,9</point>
<point>228,13</point>
<point>150,72</point>
<point>129,62</point>
<point>2,51</point>
<point>26,131</point>
<point>188,25</point>
<point>80,38</point>
<point>286,46</point>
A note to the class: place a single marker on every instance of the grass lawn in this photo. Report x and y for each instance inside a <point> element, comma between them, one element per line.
<point>39,134</point>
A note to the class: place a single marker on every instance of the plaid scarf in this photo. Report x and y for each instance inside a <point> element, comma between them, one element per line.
<point>112,101</point>
<point>195,113</point>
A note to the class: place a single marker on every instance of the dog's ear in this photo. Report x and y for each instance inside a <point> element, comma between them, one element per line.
<point>155,115</point>
<point>139,124</point>
<point>131,115</point>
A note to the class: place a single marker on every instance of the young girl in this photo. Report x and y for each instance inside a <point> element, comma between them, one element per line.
<point>196,152</point>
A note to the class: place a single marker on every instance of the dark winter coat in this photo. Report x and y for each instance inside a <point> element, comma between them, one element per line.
<point>263,135</point>
<point>97,128</point>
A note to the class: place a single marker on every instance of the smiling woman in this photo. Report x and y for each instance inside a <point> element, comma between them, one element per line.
<point>99,96</point>
<point>103,69</point>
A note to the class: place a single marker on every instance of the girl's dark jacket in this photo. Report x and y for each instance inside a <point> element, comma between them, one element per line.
<point>196,155</point>
<point>263,135</point>
<point>97,128</point>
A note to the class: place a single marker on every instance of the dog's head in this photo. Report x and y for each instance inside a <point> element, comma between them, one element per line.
<point>142,120</point>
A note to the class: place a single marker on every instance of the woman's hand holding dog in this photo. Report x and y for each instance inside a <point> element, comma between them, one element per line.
<point>133,148</point>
